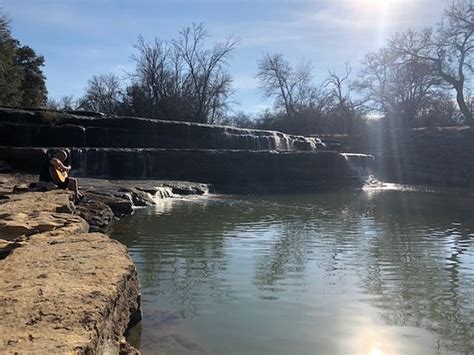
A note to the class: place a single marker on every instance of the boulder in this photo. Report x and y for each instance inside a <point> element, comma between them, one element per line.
<point>183,188</point>
<point>97,214</point>
<point>72,293</point>
<point>119,205</point>
<point>139,198</point>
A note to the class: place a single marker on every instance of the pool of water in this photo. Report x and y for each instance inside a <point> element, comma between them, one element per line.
<point>379,271</point>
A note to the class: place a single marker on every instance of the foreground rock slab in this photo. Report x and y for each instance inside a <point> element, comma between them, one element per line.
<point>66,293</point>
<point>62,289</point>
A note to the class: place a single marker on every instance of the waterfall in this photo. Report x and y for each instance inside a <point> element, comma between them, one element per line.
<point>283,143</point>
<point>163,192</point>
<point>289,143</point>
<point>77,161</point>
<point>315,143</point>
<point>90,162</point>
<point>360,166</point>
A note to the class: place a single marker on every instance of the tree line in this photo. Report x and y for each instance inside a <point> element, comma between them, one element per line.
<point>409,82</point>
<point>419,78</point>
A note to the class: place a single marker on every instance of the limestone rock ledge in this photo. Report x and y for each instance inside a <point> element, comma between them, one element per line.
<point>62,289</point>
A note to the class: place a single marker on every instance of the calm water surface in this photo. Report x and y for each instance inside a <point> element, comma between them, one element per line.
<point>381,271</point>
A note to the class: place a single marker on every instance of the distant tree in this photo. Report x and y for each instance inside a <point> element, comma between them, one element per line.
<point>155,91</point>
<point>22,82</point>
<point>33,85</point>
<point>182,79</point>
<point>439,110</point>
<point>344,109</point>
<point>4,26</point>
<point>137,102</point>
<point>240,119</point>
<point>103,94</point>
<point>10,76</point>
<point>205,72</point>
<point>290,86</point>
<point>300,106</point>
<point>449,49</point>
<point>397,85</point>
<point>65,103</point>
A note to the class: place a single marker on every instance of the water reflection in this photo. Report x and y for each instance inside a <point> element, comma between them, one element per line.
<point>379,271</point>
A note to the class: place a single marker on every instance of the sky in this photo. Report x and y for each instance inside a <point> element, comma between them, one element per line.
<point>82,38</point>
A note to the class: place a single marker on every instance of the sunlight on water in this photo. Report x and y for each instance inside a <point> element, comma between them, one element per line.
<point>386,270</point>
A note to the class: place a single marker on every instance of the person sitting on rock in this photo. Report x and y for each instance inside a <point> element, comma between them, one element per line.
<point>55,169</point>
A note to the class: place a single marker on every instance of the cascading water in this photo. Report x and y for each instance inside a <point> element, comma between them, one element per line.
<point>79,161</point>
<point>163,192</point>
<point>282,142</point>
<point>90,162</point>
<point>315,143</point>
<point>360,166</point>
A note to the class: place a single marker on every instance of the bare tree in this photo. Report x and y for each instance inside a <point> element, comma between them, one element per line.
<point>182,79</point>
<point>339,87</point>
<point>103,94</point>
<point>157,79</point>
<point>290,86</point>
<point>396,85</point>
<point>239,119</point>
<point>206,76</point>
<point>65,103</point>
<point>448,48</point>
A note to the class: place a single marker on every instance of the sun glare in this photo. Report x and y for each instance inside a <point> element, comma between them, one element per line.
<point>376,351</point>
<point>379,12</point>
<point>377,4</point>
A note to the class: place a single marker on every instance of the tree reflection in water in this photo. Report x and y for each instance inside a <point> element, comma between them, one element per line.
<point>410,252</point>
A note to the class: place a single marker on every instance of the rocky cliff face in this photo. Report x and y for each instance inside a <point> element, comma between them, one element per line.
<point>137,148</point>
<point>249,170</point>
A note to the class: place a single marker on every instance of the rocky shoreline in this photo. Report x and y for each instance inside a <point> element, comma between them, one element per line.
<point>65,286</point>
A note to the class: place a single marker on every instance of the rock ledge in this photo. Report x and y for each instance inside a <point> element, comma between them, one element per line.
<point>62,289</point>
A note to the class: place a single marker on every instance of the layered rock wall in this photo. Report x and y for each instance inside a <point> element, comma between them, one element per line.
<point>441,156</point>
<point>41,128</point>
<point>129,147</point>
<point>291,171</point>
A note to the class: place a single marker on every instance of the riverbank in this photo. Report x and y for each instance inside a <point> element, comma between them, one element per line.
<point>65,286</point>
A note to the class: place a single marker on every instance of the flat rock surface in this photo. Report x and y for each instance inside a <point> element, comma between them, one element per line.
<point>186,187</point>
<point>13,225</point>
<point>62,290</point>
<point>69,293</point>
<point>51,201</point>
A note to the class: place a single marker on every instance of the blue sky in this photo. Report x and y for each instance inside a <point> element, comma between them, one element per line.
<point>81,38</point>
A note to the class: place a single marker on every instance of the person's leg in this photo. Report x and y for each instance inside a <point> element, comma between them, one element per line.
<point>74,187</point>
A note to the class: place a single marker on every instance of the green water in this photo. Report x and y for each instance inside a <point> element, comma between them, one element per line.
<point>381,271</point>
